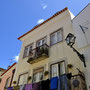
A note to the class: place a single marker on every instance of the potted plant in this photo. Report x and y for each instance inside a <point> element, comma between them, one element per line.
<point>46,73</point>
<point>14,83</point>
<point>29,78</point>
<point>70,66</point>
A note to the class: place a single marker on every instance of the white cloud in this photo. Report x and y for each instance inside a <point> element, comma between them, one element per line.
<point>16,58</point>
<point>40,21</point>
<point>44,6</point>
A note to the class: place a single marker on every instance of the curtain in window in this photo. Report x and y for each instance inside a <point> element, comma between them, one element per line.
<point>54,70</point>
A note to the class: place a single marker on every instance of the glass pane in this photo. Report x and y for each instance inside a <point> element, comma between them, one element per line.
<point>53,39</point>
<point>62,68</point>
<point>35,77</point>
<point>59,36</point>
<point>25,52</point>
<point>54,70</point>
<point>43,41</point>
<point>38,43</point>
<point>40,76</point>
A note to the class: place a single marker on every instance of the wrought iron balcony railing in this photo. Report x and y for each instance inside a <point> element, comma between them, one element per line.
<point>78,82</point>
<point>38,53</point>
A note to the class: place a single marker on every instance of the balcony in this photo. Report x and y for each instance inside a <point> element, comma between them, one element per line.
<point>38,54</point>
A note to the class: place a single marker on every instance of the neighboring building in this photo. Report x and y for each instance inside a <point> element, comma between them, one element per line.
<point>2,70</point>
<point>7,77</point>
<point>44,49</point>
<point>81,25</point>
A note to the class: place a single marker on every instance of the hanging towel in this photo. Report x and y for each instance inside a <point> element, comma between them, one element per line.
<point>10,88</point>
<point>36,86</point>
<point>28,87</point>
<point>63,83</point>
<point>16,88</point>
<point>54,83</point>
<point>22,87</point>
<point>45,85</point>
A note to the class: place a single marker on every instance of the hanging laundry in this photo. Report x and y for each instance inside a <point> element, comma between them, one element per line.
<point>28,87</point>
<point>45,85</point>
<point>54,83</point>
<point>63,83</point>
<point>22,87</point>
<point>10,88</point>
<point>36,86</point>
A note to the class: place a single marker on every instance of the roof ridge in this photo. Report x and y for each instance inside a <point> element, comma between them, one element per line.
<point>9,68</point>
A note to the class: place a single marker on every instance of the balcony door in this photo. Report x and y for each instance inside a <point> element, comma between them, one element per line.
<point>58,69</point>
<point>41,42</point>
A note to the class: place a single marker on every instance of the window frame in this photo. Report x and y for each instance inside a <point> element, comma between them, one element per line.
<point>36,71</point>
<point>25,48</point>
<point>8,82</point>
<point>21,75</point>
<point>61,29</point>
<point>58,67</point>
<point>41,39</point>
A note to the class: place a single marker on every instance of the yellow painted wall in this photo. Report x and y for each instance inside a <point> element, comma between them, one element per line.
<point>57,52</point>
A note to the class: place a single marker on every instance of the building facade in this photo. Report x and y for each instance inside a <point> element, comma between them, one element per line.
<point>7,77</point>
<point>44,50</point>
<point>81,25</point>
<point>2,71</point>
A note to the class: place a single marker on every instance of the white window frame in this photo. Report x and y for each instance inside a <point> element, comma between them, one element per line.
<point>38,74</point>
<point>26,52</point>
<point>54,37</point>
<point>41,43</point>
<point>58,67</point>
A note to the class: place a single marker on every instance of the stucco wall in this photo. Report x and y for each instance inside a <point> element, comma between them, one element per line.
<point>5,76</point>
<point>57,52</point>
<point>83,39</point>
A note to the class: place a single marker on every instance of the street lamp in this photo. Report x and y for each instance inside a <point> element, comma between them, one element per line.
<point>70,40</point>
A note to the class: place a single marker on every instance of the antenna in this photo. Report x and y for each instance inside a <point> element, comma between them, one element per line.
<point>11,61</point>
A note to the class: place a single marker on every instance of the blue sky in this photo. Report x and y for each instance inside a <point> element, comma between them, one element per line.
<point>19,16</point>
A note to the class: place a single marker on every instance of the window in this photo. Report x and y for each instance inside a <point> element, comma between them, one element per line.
<point>56,37</point>
<point>57,69</point>
<point>23,79</point>
<point>27,50</point>
<point>7,82</point>
<point>41,42</point>
<point>38,75</point>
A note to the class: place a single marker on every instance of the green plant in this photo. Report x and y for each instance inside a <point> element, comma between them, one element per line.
<point>46,73</point>
<point>14,82</point>
<point>29,78</point>
<point>70,66</point>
